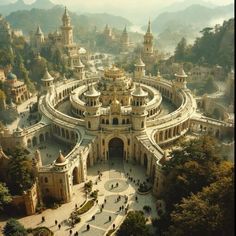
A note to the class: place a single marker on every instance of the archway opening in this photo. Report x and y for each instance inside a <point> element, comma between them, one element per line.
<point>75,175</point>
<point>145,160</point>
<point>116,149</point>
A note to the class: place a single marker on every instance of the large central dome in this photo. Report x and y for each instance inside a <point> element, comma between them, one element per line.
<point>114,79</point>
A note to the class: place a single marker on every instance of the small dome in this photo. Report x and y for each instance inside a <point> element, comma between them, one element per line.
<point>11,76</point>
<point>181,72</point>
<point>92,92</point>
<point>61,159</point>
<point>139,62</point>
<point>138,92</point>
<point>47,76</point>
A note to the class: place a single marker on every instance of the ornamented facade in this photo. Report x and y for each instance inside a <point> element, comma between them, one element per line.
<point>63,41</point>
<point>114,111</point>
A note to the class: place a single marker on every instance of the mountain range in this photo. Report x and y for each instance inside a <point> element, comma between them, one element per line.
<point>50,20</point>
<point>195,15</point>
<point>21,5</point>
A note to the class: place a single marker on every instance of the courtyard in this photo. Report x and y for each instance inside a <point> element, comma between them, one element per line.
<point>115,192</point>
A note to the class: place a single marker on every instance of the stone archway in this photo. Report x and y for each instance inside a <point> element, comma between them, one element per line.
<point>116,148</point>
<point>75,174</point>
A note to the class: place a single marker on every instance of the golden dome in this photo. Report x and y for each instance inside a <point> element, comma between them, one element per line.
<point>114,72</point>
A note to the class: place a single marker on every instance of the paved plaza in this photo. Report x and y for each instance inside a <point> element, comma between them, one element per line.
<point>113,198</point>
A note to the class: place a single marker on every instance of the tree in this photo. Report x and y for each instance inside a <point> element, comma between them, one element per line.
<point>5,196</point>
<point>6,58</point>
<point>190,169</point>
<point>22,73</point>
<point>180,51</point>
<point>14,228</point>
<point>134,224</point>
<point>20,173</point>
<point>209,212</point>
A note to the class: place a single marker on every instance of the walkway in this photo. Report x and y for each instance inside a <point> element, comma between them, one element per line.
<point>111,175</point>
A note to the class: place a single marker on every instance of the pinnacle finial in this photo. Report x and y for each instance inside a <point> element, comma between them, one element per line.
<point>149,26</point>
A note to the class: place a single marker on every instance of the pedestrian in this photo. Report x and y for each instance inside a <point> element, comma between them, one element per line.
<point>59,226</point>
<point>105,200</point>
<point>120,208</point>
<point>109,218</point>
<point>76,206</point>
<point>43,218</point>
<point>70,231</point>
<point>55,222</point>
<point>88,227</point>
<point>113,226</point>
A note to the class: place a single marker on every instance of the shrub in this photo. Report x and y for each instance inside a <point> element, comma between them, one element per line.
<point>88,186</point>
<point>147,208</point>
<point>94,194</point>
<point>87,206</point>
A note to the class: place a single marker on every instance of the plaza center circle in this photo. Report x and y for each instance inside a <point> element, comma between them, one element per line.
<point>116,185</point>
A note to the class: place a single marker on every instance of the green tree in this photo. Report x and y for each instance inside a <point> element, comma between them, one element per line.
<point>6,58</point>
<point>5,196</point>
<point>20,173</point>
<point>14,228</point>
<point>209,212</point>
<point>22,73</point>
<point>190,169</point>
<point>134,224</point>
<point>180,51</point>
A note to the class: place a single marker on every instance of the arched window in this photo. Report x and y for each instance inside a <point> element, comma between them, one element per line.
<point>115,121</point>
<point>46,179</point>
<point>89,124</point>
<point>123,121</point>
<point>107,122</point>
<point>142,124</point>
<point>103,121</point>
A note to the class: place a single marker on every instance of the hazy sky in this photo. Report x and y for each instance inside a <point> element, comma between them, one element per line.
<point>135,10</point>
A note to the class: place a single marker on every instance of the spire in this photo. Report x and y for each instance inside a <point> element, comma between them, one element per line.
<point>139,61</point>
<point>181,72</point>
<point>149,26</point>
<point>47,76</point>
<point>39,31</point>
<point>125,30</point>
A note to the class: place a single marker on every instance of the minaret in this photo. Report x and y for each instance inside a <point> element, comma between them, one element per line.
<point>148,41</point>
<point>180,78</point>
<point>39,38</point>
<point>67,29</point>
<point>79,72</point>
<point>139,72</point>
<point>124,41</point>
<point>139,112</point>
<point>47,81</point>
<point>93,105</point>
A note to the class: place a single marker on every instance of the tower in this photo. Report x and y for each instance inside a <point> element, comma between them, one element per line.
<point>124,41</point>
<point>180,78</point>
<point>39,38</point>
<point>47,81</point>
<point>139,112</point>
<point>67,29</point>
<point>93,105</point>
<point>79,72</point>
<point>148,42</point>
<point>139,69</point>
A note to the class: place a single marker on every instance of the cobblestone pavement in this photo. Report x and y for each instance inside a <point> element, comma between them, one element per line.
<point>114,172</point>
